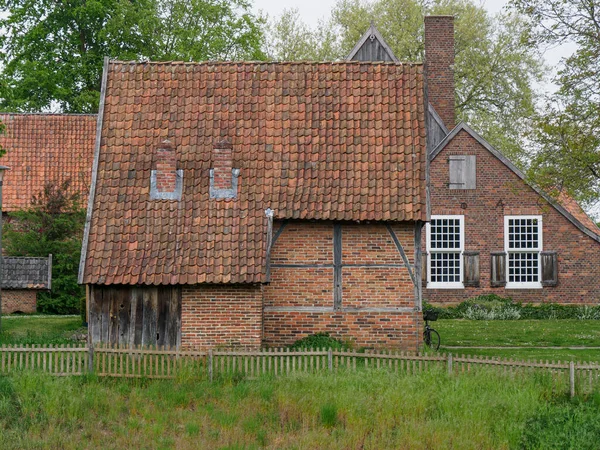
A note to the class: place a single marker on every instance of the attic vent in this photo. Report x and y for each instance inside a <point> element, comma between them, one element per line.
<point>166,181</point>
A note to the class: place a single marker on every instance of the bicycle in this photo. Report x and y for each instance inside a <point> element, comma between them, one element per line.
<point>430,336</point>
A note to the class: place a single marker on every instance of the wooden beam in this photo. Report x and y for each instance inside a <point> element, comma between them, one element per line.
<point>418,266</point>
<point>337,266</point>
<point>402,253</point>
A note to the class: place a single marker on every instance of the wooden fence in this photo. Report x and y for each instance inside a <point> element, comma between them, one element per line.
<point>147,362</point>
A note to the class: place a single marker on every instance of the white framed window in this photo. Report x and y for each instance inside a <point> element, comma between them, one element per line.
<point>445,245</point>
<point>523,246</point>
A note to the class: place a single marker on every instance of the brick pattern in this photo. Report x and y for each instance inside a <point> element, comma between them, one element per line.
<point>373,276</point>
<point>439,66</point>
<point>223,164</point>
<point>322,141</point>
<point>19,300</point>
<point>45,148</point>
<point>500,192</point>
<point>221,316</point>
<point>166,167</point>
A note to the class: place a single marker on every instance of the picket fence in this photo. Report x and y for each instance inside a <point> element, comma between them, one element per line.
<point>154,362</point>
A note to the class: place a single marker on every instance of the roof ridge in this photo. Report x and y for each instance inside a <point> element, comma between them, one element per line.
<point>341,62</point>
<point>45,114</point>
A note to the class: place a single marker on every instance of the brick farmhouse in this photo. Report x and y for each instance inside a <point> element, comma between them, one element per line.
<point>491,232</point>
<point>40,148</point>
<point>250,204</point>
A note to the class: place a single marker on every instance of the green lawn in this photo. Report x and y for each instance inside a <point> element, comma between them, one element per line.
<point>369,409</point>
<point>39,329</point>
<point>525,334</point>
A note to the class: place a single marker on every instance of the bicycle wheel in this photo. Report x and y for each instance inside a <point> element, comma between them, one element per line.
<point>431,339</point>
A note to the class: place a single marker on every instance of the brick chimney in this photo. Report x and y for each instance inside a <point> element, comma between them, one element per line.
<point>222,164</point>
<point>166,168</point>
<point>439,66</point>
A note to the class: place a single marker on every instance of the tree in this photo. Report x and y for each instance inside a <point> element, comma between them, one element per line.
<point>53,225</point>
<point>52,52</point>
<point>495,67</point>
<point>566,140</point>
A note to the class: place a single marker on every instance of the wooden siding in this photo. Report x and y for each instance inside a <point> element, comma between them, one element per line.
<point>131,316</point>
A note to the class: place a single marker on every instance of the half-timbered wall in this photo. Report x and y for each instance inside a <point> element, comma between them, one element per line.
<point>500,192</point>
<point>350,280</point>
<point>135,315</point>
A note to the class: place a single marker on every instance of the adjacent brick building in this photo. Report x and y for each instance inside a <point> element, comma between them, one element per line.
<point>491,232</point>
<point>40,149</point>
<point>22,279</point>
<point>248,204</point>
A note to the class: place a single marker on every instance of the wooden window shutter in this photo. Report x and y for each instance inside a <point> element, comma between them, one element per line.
<point>498,272</point>
<point>549,269</point>
<point>462,171</point>
<point>471,264</point>
<point>424,270</point>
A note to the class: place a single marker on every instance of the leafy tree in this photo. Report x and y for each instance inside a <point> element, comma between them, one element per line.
<point>566,138</point>
<point>53,225</point>
<point>52,52</point>
<point>495,67</point>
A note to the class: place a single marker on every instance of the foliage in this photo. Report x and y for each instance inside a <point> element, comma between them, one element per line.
<point>53,225</point>
<point>52,52</point>
<point>495,66</point>
<point>319,341</point>
<point>563,426</point>
<point>567,134</point>
<point>372,409</point>
<point>494,307</point>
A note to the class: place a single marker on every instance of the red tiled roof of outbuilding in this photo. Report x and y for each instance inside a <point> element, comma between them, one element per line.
<point>320,141</point>
<point>42,148</point>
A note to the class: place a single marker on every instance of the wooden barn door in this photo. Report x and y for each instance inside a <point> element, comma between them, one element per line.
<point>135,315</point>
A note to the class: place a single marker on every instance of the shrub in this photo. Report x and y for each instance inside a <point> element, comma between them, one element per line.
<point>318,341</point>
<point>476,312</point>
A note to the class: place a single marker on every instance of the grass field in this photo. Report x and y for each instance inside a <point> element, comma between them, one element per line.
<point>362,410</point>
<point>39,329</point>
<point>525,334</point>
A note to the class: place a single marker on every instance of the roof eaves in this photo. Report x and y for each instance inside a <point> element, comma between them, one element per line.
<point>462,126</point>
<point>375,32</point>
<point>88,218</point>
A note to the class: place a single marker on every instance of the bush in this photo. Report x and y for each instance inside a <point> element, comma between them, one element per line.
<point>494,307</point>
<point>319,341</point>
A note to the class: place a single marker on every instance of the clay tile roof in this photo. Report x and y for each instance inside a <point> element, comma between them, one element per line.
<point>321,141</point>
<point>45,148</point>
<point>19,272</point>
<point>571,205</point>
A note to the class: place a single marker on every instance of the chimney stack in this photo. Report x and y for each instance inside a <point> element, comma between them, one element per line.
<point>222,165</point>
<point>439,66</point>
<point>166,168</point>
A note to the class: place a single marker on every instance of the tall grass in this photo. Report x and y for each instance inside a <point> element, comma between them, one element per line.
<point>371,409</point>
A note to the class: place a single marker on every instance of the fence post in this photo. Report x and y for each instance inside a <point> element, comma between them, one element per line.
<point>449,363</point>
<point>90,357</point>
<point>330,359</point>
<point>210,365</point>
<point>572,378</point>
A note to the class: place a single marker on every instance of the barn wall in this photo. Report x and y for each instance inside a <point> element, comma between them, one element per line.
<point>221,316</point>
<point>135,315</point>
<point>500,192</point>
<point>19,300</point>
<point>374,305</point>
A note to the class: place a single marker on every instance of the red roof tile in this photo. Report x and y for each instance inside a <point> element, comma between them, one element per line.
<point>326,141</point>
<point>45,148</point>
<point>571,205</point>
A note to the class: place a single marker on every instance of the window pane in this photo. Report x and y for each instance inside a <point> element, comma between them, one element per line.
<point>445,267</point>
<point>523,267</point>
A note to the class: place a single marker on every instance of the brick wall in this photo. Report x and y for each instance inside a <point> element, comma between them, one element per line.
<point>19,300</point>
<point>221,316</point>
<point>377,301</point>
<point>500,192</point>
